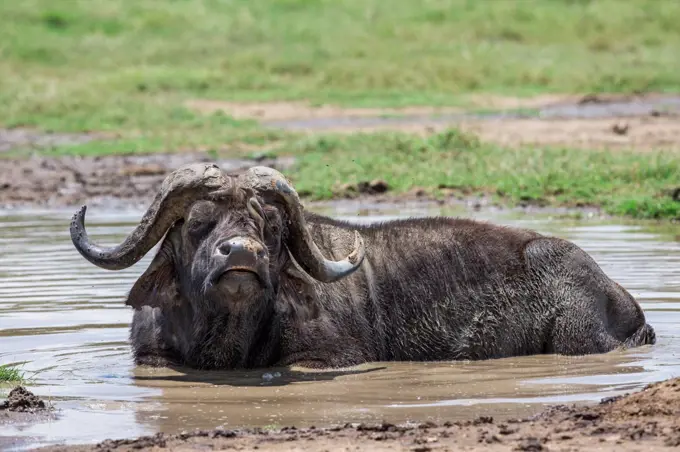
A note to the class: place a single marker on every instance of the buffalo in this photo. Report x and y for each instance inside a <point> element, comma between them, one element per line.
<point>244,277</point>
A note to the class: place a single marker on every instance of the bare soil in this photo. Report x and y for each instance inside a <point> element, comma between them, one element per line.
<point>270,111</point>
<point>21,399</point>
<point>602,121</point>
<point>646,421</point>
<point>111,180</point>
<point>120,182</point>
<point>27,138</point>
<point>639,134</point>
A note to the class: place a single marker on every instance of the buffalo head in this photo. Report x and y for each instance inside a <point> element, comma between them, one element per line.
<point>226,240</point>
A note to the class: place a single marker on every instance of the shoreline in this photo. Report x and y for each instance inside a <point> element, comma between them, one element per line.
<point>116,183</point>
<point>646,419</point>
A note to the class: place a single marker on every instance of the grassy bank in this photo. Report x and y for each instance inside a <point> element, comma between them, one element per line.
<point>623,183</point>
<point>128,66</point>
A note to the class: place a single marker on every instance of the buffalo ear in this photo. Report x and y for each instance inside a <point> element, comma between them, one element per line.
<point>158,285</point>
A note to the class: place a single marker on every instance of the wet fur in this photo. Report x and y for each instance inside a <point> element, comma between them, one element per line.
<point>429,289</point>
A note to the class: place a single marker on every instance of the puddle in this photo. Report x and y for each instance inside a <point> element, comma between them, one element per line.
<point>621,109</point>
<point>65,320</point>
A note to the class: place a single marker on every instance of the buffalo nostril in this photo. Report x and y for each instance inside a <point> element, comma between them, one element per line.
<point>260,253</point>
<point>225,249</point>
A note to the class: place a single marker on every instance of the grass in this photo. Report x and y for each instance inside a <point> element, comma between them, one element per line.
<point>128,66</point>
<point>10,374</point>
<point>623,182</point>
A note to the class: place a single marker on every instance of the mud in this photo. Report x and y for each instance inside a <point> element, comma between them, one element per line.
<point>21,399</point>
<point>638,134</point>
<point>606,122</point>
<point>120,182</point>
<point>274,111</point>
<point>22,138</point>
<point>22,408</point>
<point>647,420</point>
<point>123,180</point>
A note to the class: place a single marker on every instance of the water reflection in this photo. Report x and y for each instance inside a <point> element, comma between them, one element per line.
<point>65,321</point>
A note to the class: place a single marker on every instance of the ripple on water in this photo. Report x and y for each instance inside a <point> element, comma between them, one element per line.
<point>65,321</point>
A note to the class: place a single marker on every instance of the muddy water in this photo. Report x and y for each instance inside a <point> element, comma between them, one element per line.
<point>65,322</point>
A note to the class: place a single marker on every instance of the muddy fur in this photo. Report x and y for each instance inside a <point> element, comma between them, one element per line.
<point>428,289</point>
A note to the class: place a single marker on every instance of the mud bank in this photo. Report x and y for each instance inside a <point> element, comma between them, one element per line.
<point>607,123</point>
<point>22,407</point>
<point>111,180</point>
<point>646,420</point>
<point>121,182</point>
<point>21,399</point>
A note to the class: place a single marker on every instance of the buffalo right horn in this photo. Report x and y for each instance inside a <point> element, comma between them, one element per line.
<point>179,190</point>
<point>267,180</point>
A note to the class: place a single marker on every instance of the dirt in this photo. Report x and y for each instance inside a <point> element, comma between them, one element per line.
<point>22,408</point>
<point>569,121</point>
<point>21,399</point>
<point>640,134</point>
<point>595,121</point>
<point>19,138</point>
<point>270,111</point>
<point>121,182</point>
<point>647,420</point>
<point>110,180</point>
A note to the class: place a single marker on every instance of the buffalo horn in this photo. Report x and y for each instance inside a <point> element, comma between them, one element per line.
<point>178,191</point>
<point>265,180</point>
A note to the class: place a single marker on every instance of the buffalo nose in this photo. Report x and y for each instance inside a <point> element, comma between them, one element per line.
<point>240,247</point>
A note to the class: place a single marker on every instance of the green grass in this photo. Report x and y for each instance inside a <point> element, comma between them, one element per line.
<point>128,66</point>
<point>623,182</point>
<point>10,374</point>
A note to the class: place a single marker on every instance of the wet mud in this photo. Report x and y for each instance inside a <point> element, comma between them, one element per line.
<point>124,180</point>
<point>603,122</point>
<point>22,408</point>
<point>646,420</point>
<point>18,138</point>
<point>23,400</point>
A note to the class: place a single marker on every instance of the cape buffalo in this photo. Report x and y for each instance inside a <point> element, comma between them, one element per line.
<point>245,278</point>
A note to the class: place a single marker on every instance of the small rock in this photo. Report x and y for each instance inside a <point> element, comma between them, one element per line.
<point>530,444</point>
<point>620,128</point>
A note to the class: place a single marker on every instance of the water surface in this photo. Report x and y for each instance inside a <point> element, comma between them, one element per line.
<point>64,320</point>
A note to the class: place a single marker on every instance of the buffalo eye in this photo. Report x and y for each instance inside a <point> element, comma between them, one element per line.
<point>273,221</point>
<point>199,229</point>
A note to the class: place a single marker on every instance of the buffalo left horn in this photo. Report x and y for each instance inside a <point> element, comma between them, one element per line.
<point>178,191</point>
<point>265,180</point>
